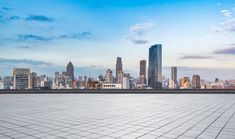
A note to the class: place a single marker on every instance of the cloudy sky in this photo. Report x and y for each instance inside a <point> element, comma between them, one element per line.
<point>198,36</point>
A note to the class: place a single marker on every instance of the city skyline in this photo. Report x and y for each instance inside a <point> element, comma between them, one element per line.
<point>24,78</point>
<point>39,39</point>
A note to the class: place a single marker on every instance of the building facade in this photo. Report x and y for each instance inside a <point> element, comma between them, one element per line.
<point>142,72</point>
<point>196,82</point>
<point>155,66</point>
<point>33,80</point>
<point>174,74</point>
<point>126,81</point>
<point>108,76</point>
<point>112,86</point>
<point>70,70</point>
<point>185,83</point>
<point>21,78</point>
<point>118,67</point>
<point>120,77</point>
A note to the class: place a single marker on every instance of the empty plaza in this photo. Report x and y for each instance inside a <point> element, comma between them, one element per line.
<point>120,116</point>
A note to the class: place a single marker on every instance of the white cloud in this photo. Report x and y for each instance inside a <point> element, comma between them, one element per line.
<point>140,33</point>
<point>217,30</point>
<point>229,25</point>
<point>226,13</point>
<point>141,27</point>
<point>138,41</point>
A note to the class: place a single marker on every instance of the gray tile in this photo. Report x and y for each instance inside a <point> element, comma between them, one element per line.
<point>117,116</point>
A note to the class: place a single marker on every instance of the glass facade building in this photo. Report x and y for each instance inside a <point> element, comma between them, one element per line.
<point>174,74</point>
<point>70,70</point>
<point>155,66</point>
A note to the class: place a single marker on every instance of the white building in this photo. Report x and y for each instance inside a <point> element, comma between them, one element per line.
<point>111,86</point>
<point>68,82</point>
<point>1,85</point>
<point>126,82</point>
<point>172,84</point>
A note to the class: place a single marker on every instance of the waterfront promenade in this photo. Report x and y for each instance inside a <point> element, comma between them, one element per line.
<point>121,91</point>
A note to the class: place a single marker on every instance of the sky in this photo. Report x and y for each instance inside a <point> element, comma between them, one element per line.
<point>197,36</point>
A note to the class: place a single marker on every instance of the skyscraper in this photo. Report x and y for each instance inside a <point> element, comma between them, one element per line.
<point>155,66</point>
<point>118,66</point>
<point>21,78</point>
<point>70,70</point>
<point>33,80</point>
<point>196,82</point>
<point>143,71</point>
<point>174,74</point>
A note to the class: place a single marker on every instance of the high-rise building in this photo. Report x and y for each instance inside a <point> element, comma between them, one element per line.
<point>142,72</point>
<point>196,82</point>
<point>118,66</point>
<point>174,74</point>
<point>85,82</point>
<point>70,70</point>
<point>33,80</point>
<point>109,76</point>
<point>21,78</point>
<point>155,66</point>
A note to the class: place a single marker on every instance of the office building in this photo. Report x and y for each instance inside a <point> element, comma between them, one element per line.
<point>70,70</point>
<point>174,74</point>
<point>142,72</point>
<point>118,67</point>
<point>120,77</point>
<point>126,81</point>
<point>68,82</point>
<point>85,82</point>
<point>21,78</point>
<point>155,66</point>
<point>8,82</point>
<point>185,83</point>
<point>1,84</point>
<point>196,82</point>
<point>33,80</point>
<point>108,76</point>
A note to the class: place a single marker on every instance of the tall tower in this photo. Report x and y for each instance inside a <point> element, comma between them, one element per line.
<point>33,80</point>
<point>143,71</point>
<point>174,74</point>
<point>118,67</point>
<point>70,70</point>
<point>155,66</point>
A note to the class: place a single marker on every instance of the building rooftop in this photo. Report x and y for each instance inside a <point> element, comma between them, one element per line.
<point>122,116</point>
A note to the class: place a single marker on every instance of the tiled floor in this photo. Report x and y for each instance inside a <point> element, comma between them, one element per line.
<point>124,116</point>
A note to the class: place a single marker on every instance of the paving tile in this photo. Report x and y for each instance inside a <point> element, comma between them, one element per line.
<point>117,116</point>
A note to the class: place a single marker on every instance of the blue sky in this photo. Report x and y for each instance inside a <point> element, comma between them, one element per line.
<point>197,35</point>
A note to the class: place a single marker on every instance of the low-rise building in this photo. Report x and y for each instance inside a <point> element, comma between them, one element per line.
<point>111,86</point>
